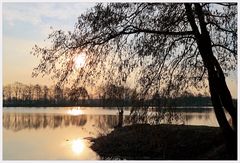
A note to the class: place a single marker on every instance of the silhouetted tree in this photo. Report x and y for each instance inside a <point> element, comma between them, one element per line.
<point>78,93</point>
<point>27,93</point>
<point>58,94</point>
<point>173,45</point>
<point>156,99</point>
<point>116,95</point>
<point>7,92</point>
<point>45,93</point>
<point>37,92</point>
<point>17,90</point>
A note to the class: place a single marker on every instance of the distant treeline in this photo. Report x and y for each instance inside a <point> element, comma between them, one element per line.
<point>179,101</point>
<point>19,95</point>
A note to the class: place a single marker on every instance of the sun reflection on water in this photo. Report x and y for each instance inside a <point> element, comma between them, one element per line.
<point>77,146</point>
<point>75,111</point>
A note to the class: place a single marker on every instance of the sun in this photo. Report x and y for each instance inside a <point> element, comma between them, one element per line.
<point>77,146</point>
<point>79,60</point>
<point>75,111</point>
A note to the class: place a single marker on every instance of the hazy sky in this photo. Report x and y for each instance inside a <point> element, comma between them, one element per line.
<point>26,24</point>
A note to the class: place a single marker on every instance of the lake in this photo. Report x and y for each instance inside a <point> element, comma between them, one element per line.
<point>64,133</point>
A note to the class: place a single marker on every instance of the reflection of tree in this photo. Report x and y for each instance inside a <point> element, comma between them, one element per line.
<point>188,117</point>
<point>196,117</point>
<point>102,124</point>
<point>139,115</point>
<point>116,95</point>
<point>19,121</point>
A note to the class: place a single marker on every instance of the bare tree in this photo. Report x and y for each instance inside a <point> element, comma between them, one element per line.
<point>17,90</point>
<point>45,93</point>
<point>7,92</point>
<point>168,45</point>
<point>27,93</point>
<point>37,92</point>
<point>58,94</point>
<point>78,93</point>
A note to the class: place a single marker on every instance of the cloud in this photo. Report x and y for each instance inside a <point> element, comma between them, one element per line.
<point>33,20</point>
<point>38,13</point>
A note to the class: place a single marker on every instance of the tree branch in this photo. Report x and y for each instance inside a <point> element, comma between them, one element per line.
<point>223,29</point>
<point>224,47</point>
<point>138,30</point>
<point>227,4</point>
<point>132,30</point>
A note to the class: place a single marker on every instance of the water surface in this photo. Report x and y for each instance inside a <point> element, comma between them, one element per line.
<point>64,133</point>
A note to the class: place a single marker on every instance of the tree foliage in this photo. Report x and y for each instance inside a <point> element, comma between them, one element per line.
<point>154,40</point>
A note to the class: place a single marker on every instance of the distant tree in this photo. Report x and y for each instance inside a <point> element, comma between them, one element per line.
<point>117,96</point>
<point>78,93</point>
<point>113,92</point>
<point>66,92</point>
<point>37,92</point>
<point>156,98</point>
<point>17,91</point>
<point>187,94</point>
<point>58,94</point>
<point>7,92</point>
<point>174,45</point>
<point>45,93</point>
<point>27,93</point>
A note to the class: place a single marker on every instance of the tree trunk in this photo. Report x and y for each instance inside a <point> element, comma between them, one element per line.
<point>220,94</point>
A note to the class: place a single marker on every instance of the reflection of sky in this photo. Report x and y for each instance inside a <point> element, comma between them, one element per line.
<point>77,146</point>
<point>75,111</point>
<point>47,144</point>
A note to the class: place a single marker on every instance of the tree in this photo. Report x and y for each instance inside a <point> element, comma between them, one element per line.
<point>27,93</point>
<point>58,94</point>
<point>116,95</point>
<point>45,93</point>
<point>17,89</point>
<point>113,92</point>
<point>7,93</point>
<point>78,93</point>
<point>37,92</point>
<point>156,99</point>
<point>170,46</point>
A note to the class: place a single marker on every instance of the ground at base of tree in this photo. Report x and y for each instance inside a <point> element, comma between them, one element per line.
<point>163,142</point>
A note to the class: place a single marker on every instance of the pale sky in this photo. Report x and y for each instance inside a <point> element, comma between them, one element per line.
<point>26,24</point>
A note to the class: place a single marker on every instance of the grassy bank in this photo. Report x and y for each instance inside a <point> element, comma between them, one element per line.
<point>168,142</point>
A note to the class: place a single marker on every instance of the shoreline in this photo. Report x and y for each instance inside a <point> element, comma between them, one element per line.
<point>162,142</point>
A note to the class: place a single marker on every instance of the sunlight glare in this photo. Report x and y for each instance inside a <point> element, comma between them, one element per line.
<point>80,60</point>
<point>75,111</point>
<point>77,146</point>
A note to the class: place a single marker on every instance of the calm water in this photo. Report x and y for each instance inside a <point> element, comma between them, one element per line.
<point>64,133</point>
